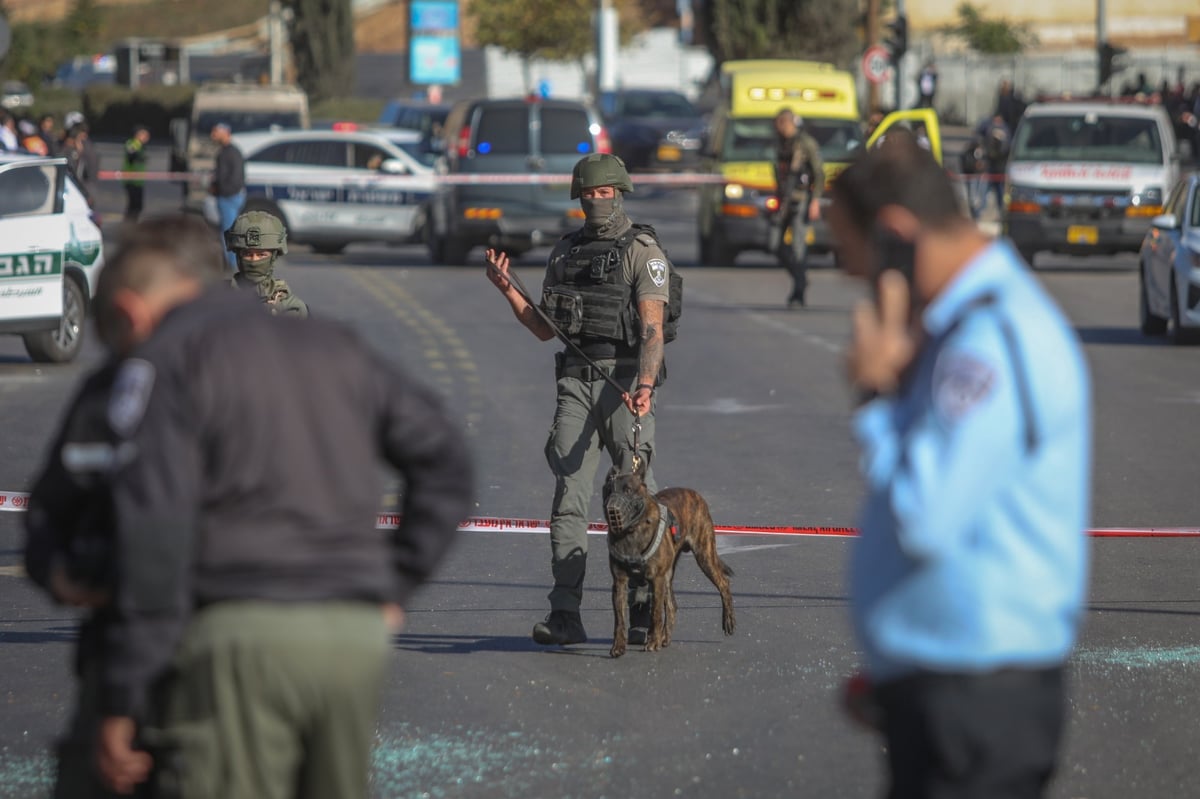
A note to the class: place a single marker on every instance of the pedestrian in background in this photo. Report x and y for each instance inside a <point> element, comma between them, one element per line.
<point>9,140</point>
<point>799,181</point>
<point>969,575</point>
<point>1009,104</point>
<point>31,140</point>
<point>927,84</point>
<point>46,129</point>
<point>135,163</point>
<point>87,170</point>
<point>254,597</point>
<point>228,182</point>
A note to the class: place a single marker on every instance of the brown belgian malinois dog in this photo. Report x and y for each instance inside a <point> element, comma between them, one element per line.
<point>646,535</point>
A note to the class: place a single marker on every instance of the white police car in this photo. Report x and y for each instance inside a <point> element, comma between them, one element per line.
<point>51,252</point>
<point>335,187</point>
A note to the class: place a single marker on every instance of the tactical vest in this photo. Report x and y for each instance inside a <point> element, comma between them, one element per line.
<point>594,305</point>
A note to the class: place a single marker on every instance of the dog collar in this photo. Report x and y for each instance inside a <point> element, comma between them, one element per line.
<point>665,520</point>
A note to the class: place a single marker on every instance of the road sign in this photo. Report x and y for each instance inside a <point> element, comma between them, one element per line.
<point>876,62</point>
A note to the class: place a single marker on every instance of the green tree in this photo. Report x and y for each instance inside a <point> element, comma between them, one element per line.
<point>991,36</point>
<point>556,31</point>
<point>322,33</point>
<point>815,30</point>
<point>82,28</point>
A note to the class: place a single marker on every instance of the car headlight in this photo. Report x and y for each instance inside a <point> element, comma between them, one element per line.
<point>734,191</point>
<point>1147,197</point>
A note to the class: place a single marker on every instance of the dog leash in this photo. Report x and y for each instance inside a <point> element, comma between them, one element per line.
<point>516,281</point>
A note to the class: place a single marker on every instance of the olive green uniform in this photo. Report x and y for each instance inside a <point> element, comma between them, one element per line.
<point>797,163</point>
<point>274,293</point>
<point>591,418</point>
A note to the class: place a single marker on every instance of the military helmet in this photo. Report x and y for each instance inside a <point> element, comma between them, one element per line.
<point>599,169</point>
<point>257,230</point>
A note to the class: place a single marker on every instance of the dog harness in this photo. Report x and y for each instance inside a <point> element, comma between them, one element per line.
<point>638,562</point>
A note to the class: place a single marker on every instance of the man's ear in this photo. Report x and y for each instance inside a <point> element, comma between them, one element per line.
<point>899,221</point>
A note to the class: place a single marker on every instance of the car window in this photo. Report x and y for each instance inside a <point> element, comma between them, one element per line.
<point>242,121</point>
<point>1176,200</point>
<point>566,131</point>
<point>368,156</point>
<point>27,190</point>
<point>666,104</point>
<point>306,153</point>
<point>503,131</point>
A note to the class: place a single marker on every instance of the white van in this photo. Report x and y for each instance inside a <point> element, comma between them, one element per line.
<point>51,255</point>
<point>1087,177</point>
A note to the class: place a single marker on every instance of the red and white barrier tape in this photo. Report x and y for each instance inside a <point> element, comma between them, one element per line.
<point>678,179</point>
<point>19,501</point>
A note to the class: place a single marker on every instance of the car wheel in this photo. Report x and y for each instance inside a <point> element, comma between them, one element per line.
<point>1151,325</point>
<point>1179,333</point>
<point>63,343</point>
<point>329,248</point>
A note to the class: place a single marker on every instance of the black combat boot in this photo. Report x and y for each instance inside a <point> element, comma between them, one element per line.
<point>560,628</point>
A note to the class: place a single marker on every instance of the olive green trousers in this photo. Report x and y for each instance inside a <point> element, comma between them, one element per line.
<point>273,701</point>
<point>590,419</point>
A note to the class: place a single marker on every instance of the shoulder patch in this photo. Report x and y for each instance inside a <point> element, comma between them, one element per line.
<point>657,268</point>
<point>960,383</point>
<point>130,395</point>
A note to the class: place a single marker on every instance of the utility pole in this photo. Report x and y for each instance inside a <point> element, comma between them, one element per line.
<point>898,103</point>
<point>607,29</point>
<point>870,37</point>
<point>275,37</point>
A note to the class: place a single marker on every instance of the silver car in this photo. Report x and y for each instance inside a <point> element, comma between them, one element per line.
<point>1170,267</point>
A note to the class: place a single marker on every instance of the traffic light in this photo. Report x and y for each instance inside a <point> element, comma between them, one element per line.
<point>897,39</point>
<point>1110,61</point>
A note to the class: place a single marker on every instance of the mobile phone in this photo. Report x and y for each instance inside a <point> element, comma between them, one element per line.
<point>892,252</point>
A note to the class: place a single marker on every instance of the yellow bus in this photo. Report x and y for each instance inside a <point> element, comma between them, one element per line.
<point>736,215</point>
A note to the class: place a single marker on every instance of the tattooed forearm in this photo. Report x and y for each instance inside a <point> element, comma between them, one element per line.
<point>650,355</point>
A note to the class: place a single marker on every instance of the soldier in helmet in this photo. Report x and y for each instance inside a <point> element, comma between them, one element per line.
<point>257,239</point>
<point>799,181</point>
<point>607,287</point>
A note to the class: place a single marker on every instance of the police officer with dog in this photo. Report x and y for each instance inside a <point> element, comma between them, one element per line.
<point>609,290</point>
<point>257,240</point>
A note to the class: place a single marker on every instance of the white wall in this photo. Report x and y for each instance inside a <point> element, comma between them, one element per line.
<point>654,59</point>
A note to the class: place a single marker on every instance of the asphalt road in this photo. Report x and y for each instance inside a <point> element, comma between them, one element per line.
<point>756,417</point>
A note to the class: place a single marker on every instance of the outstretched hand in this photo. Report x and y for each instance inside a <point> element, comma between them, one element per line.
<point>497,272</point>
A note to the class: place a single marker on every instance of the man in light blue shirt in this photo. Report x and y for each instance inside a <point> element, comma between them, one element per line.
<point>969,577</point>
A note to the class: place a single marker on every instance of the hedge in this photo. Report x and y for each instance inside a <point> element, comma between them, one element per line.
<point>116,110</point>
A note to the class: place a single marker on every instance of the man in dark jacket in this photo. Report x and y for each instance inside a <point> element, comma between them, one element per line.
<point>228,182</point>
<point>251,575</point>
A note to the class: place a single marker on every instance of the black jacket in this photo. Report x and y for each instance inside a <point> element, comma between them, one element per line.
<point>69,514</point>
<point>254,474</point>
<point>229,172</point>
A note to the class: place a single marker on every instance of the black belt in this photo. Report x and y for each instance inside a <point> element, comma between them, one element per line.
<point>588,373</point>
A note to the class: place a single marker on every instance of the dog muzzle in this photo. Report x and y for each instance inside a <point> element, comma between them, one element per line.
<point>624,510</point>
